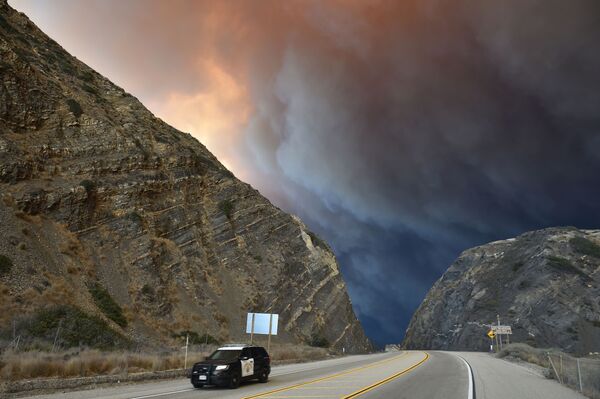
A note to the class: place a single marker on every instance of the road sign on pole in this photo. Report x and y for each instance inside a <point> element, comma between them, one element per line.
<point>496,332</point>
<point>502,330</point>
<point>262,323</point>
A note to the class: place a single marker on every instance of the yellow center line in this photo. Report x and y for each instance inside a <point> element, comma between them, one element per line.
<point>320,387</point>
<point>263,394</point>
<point>302,396</point>
<point>385,380</point>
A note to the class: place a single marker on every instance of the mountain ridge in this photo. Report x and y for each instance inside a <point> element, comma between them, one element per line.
<point>98,192</point>
<point>544,283</point>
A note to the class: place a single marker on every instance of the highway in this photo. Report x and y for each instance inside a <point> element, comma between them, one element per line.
<point>394,375</point>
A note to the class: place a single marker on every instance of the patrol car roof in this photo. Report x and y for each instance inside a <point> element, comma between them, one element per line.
<point>232,347</point>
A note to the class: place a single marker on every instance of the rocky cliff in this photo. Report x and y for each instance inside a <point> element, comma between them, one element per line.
<point>545,284</point>
<point>134,228</point>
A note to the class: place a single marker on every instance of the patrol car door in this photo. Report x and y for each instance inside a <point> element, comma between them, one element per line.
<point>259,360</point>
<point>247,362</point>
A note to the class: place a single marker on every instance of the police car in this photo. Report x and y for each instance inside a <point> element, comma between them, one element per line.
<point>232,364</point>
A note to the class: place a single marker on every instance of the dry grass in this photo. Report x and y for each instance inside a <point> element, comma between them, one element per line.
<point>297,353</point>
<point>220,318</point>
<point>72,270</point>
<point>563,367</point>
<point>86,363</point>
<point>70,247</point>
<point>526,353</point>
<point>35,364</point>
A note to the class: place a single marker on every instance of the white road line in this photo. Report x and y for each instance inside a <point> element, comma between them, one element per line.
<point>162,394</point>
<point>191,389</point>
<point>272,375</point>
<point>350,362</point>
<point>471,393</point>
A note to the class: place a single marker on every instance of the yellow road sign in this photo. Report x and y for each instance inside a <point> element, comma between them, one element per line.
<point>491,334</point>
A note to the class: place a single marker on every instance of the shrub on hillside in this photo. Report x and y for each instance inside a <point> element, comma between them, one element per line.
<point>226,206</point>
<point>584,246</point>
<point>197,339</point>
<point>148,291</point>
<point>517,265</point>
<point>319,341</point>
<point>107,304</point>
<point>565,265</point>
<point>88,185</point>
<point>317,240</point>
<point>5,265</point>
<point>71,327</point>
<point>74,107</point>
<point>135,217</point>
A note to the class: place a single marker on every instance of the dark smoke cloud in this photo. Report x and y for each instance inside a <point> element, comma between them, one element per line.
<point>403,132</point>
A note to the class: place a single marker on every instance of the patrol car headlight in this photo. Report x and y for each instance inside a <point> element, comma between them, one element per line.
<point>222,367</point>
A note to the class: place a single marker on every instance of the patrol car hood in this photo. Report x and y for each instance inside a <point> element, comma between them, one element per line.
<point>217,362</point>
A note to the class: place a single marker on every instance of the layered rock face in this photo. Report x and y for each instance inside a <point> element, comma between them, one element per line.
<point>545,284</point>
<point>98,191</point>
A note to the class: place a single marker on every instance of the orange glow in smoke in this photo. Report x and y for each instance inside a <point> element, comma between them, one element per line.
<point>216,116</point>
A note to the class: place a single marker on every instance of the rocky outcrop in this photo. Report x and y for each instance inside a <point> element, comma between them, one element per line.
<point>545,284</point>
<point>98,191</point>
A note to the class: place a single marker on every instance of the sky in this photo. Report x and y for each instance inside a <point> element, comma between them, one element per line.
<point>402,132</point>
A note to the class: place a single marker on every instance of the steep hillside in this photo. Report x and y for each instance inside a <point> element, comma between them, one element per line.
<point>133,227</point>
<point>546,284</point>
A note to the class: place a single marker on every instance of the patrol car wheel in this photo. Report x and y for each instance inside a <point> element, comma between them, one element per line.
<point>263,376</point>
<point>235,381</point>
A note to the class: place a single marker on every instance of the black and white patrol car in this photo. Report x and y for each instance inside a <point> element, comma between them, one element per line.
<point>232,364</point>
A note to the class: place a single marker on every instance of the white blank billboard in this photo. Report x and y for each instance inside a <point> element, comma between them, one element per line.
<point>261,323</point>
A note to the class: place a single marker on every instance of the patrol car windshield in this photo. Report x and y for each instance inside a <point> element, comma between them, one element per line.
<point>225,354</point>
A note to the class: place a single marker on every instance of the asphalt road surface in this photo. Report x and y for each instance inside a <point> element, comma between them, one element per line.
<point>396,375</point>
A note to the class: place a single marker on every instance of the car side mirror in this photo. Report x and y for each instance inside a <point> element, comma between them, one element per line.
<point>243,357</point>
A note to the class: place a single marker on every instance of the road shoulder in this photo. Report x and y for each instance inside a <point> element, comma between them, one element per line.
<point>500,379</point>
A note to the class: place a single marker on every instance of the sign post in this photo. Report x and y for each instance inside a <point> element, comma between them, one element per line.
<point>270,330</point>
<point>491,334</point>
<point>497,343</point>
<point>500,337</point>
<point>497,331</point>
<point>252,329</point>
<point>187,342</point>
